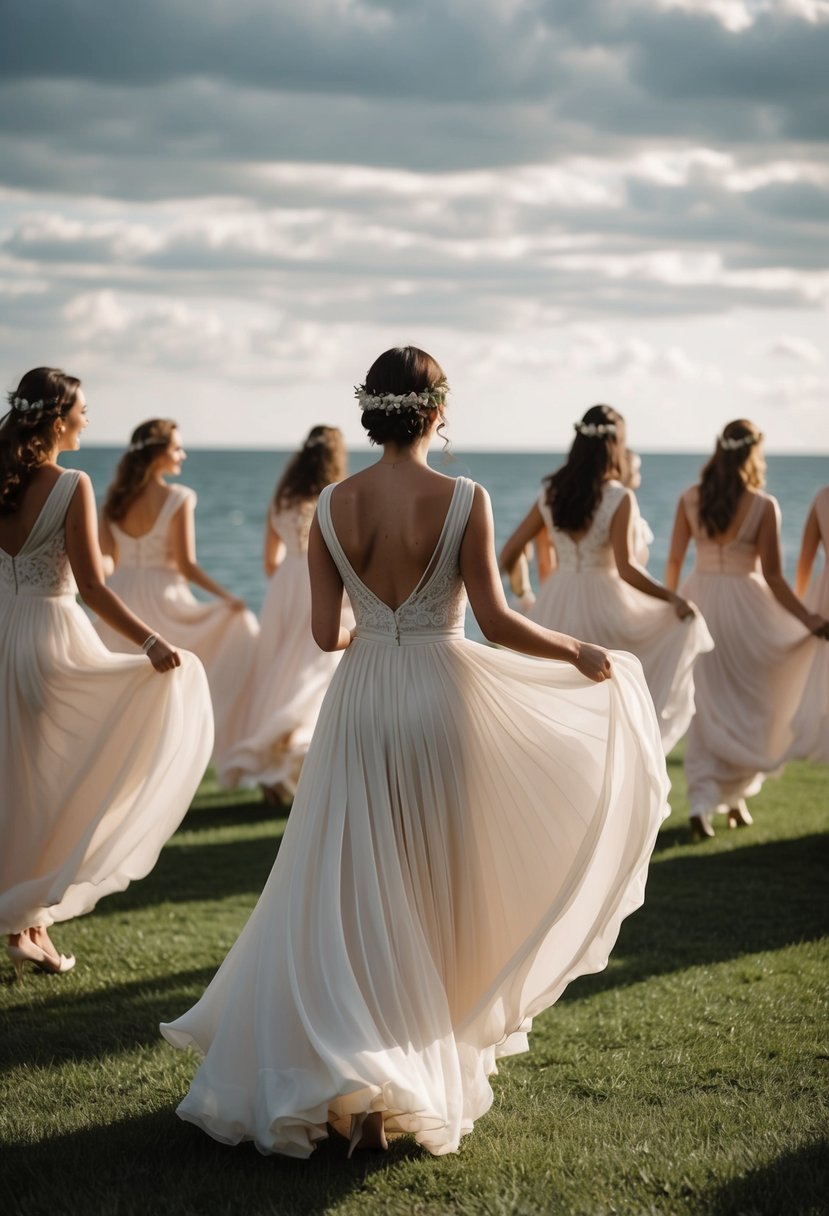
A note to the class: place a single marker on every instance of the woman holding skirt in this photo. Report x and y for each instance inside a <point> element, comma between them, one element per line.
<point>100,757</point>
<point>470,828</point>
<point>148,530</point>
<point>811,722</point>
<point>749,687</point>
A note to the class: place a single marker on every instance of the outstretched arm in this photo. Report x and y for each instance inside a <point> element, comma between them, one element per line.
<point>546,559</point>
<point>630,570</point>
<point>183,543</point>
<point>83,551</point>
<point>527,530</point>
<point>499,624</point>
<point>326,594</point>
<point>808,552</point>
<point>768,546</point>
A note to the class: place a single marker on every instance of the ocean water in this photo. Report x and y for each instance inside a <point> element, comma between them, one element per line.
<point>234,488</point>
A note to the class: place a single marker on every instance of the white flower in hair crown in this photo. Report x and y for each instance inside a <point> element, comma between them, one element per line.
<point>595,430</point>
<point>391,403</point>
<point>734,445</point>
<point>25,407</point>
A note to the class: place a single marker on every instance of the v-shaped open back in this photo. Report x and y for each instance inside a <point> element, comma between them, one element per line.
<point>437,600</point>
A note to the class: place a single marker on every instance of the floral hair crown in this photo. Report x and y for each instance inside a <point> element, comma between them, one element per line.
<point>594,430</point>
<point>138,445</point>
<point>734,445</point>
<point>22,406</point>
<point>314,441</point>
<point>390,403</point>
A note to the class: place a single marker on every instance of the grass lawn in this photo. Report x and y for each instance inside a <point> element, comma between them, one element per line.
<point>690,1076</point>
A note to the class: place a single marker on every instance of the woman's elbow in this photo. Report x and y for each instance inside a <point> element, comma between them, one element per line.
<point>325,637</point>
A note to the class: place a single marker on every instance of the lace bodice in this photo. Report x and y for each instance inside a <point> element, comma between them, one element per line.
<point>739,556</point>
<point>152,548</point>
<point>42,566</point>
<point>435,608</point>
<point>593,550</point>
<point>293,525</point>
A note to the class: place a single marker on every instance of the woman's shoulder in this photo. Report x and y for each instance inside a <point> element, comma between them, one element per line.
<point>179,494</point>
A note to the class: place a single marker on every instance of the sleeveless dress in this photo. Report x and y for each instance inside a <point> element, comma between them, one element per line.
<point>811,722</point>
<point>750,686</point>
<point>586,597</point>
<point>290,673</point>
<point>99,754</point>
<point>148,581</point>
<point>470,828</point>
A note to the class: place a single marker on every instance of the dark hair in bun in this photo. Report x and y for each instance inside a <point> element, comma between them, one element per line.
<point>401,372</point>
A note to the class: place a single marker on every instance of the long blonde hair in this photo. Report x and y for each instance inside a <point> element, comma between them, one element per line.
<point>729,472</point>
<point>135,468</point>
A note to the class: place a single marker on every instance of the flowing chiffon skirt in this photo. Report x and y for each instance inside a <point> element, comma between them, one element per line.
<point>100,757</point>
<point>289,680</point>
<point>595,604</point>
<point>470,829</point>
<point>223,638</point>
<point>748,688</point>
<point>810,725</point>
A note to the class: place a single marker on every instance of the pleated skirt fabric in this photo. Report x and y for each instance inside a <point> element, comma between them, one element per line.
<point>223,639</point>
<point>100,757</point>
<point>289,680</point>
<point>470,829</point>
<point>595,604</point>
<point>747,690</point>
<point>810,725</point>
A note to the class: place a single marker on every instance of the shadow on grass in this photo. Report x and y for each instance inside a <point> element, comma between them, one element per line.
<point>155,1163</point>
<point>226,813</point>
<point>87,1025</point>
<point>786,1185</point>
<point>709,908</point>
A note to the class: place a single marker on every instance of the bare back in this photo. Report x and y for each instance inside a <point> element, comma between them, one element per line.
<point>15,528</point>
<point>389,519</point>
<point>744,505</point>
<point>143,512</point>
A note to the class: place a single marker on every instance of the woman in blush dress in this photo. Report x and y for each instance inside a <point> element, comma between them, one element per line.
<point>811,722</point>
<point>469,830</point>
<point>148,530</point>
<point>598,588</point>
<point>291,674</point>
<point>750,686</point>
<point>641,532</point>
<point>99,757</point>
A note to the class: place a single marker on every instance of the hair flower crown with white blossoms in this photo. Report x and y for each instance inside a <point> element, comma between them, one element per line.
<point>594,430</point>
<point>392,403</point>
<point>30,407</point>
<point>734,445</point>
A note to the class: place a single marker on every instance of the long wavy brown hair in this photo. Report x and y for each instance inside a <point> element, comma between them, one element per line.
<point>728,473</point>
<point>321,460</point>
<point>575,490</point>
<point>135,468</point>
<point>27,437</point>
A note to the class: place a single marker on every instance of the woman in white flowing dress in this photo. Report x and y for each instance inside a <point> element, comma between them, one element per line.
<point>750,686</point>
<point>148,531</point>
<point>599,590</point>
<point>470,828</point>
<point>290,673</point>
<point>99,758</point>
<point>811,722</point>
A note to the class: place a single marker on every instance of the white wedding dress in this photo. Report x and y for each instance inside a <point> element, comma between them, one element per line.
<point>810,724</point>
<point>100,755</point>
<point>290,673</point>
<point>471,826</point>
<point>150,584</point>
<point>586,597</point>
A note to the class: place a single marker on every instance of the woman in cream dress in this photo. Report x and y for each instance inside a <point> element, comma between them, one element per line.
<point>598,588</point>
<point>469,830</point>
<point>99,756</point>
<point>750,686</point>
<point>148,530</point>
<point>290,673</point>
<point>811,722</point>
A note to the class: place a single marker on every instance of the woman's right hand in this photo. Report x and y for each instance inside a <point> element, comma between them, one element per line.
<point>162,656</point>
<point>817,625</point>
<point>682,608</point>
<point>593,662</point>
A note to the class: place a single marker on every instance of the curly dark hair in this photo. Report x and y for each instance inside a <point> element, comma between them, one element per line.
<point>727,474</point>
<point>320,460</point>
<point>135,468</point>
<point>575,490</point>
<point>27,437</point>
<point>401,370</point>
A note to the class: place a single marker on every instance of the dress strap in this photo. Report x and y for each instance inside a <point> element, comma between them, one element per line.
<point>54,509</point>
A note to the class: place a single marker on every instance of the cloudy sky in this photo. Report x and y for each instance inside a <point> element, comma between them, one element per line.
<point>222,210</point>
